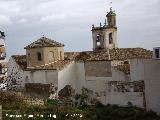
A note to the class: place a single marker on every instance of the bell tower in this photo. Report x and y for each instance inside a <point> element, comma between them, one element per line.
<point>105,36</point>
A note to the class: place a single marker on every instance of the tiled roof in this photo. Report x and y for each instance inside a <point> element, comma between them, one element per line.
<point>71,55</point>
<point>20,60</point>
<point>124,68</point>
<point>44,42</point>
<point>58,65</point>
<point>115,54</point>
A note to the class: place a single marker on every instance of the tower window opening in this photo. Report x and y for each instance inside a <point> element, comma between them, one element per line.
<point>29,55</point>
<point>110,38</point>
<point>157,53</point>
<point>61,55</point>
<point>98,40</point>
<point>39,56</point>
<point>98,43</point>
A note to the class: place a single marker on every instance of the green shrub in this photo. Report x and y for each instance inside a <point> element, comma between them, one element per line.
<point>51,102</point>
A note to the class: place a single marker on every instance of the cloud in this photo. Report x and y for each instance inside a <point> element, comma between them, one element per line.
<point>70,21</point>
<point>53,18</point>
<point>23,20</point>
<point>4,20</point>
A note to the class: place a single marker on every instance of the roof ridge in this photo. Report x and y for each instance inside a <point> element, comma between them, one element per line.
<point>44,42</point>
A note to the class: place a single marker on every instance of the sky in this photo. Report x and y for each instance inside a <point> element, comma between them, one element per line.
<point>70,22</point>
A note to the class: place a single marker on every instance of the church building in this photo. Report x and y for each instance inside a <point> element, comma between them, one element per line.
<point>107,70</point>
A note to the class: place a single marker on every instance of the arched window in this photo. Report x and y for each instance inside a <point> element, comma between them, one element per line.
<point>29,56</point>
<point>98,40</point>
<point>60,55</point>
<point>39,56</point>
<point>51,56</point>
<point>110,38</point>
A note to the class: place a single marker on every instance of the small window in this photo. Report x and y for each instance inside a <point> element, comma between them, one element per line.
<point>29,56</point>
<point>110,38</point>
<point>39,56</point>
<point>60,55</point>
<point>157,53</point>
<point>98,40</point>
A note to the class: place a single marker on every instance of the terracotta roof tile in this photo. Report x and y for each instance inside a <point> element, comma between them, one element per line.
<point>71,55</point>
<point>124,68</point>
<point>115,54</point>
<point>21,61</point>
<point>44,42</point>
<point>59,65</point>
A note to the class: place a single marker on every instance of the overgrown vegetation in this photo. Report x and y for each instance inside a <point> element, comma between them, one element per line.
<point>15,108</point>
<point>11,100</point>
<point>96,112</point>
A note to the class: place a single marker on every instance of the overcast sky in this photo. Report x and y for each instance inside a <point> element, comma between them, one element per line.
<point>69,22</point>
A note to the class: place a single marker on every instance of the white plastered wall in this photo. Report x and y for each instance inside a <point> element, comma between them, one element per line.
<point>152,84</point>
<point>137,69</point>
<point>67,76</point>
<point>122,99</point>
<point>42,76</point>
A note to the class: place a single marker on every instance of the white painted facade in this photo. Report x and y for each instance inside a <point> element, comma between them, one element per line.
<point>74,74</point>
<point>80,73</point>
<point>122,99</point>
<point>67,76</point>
<point>152,84</point>
<point>41,76</point>
<point>137,69</point>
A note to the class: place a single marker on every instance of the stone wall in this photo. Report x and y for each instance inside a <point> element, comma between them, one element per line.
<point>122,93</point>
<point>37,89</point>
<point>32,59</point>
<point>58,54</point>
<point>98,68</point>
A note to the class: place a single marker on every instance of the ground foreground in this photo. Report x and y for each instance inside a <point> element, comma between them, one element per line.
<point>96,112</point>
<point>15,107</point>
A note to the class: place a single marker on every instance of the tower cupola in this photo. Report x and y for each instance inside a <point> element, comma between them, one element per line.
<point>105,36</point>
<point>111,18</point>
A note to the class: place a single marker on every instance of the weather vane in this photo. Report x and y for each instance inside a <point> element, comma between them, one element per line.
<point>110,6</point>
<point>43,34</point>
